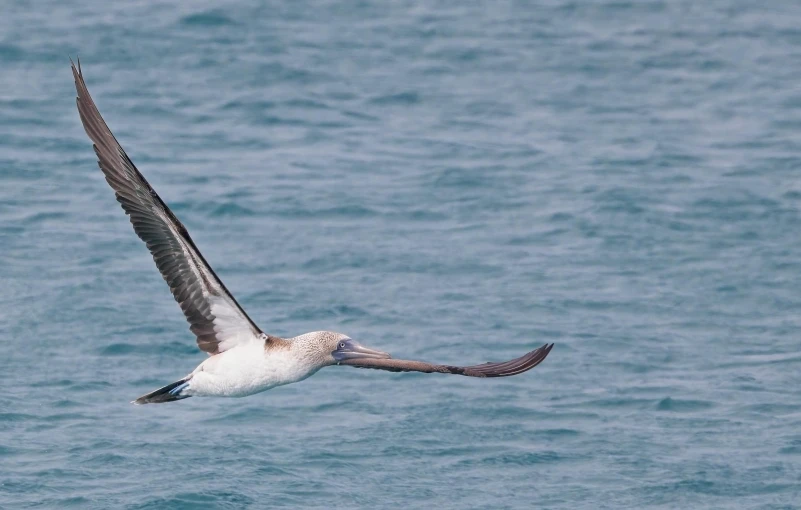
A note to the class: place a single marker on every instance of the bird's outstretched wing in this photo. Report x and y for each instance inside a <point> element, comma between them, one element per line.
<point>213,313</point>
<point>504,369</point>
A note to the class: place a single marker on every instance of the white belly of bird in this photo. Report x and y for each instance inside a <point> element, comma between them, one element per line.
<point>245,370</point>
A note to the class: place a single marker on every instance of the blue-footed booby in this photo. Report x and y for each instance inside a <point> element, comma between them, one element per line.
<point>243,360</point>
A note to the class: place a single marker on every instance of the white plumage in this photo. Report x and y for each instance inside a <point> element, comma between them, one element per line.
<point>249,368</point>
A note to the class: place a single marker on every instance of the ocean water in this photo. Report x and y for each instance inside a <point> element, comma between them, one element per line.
<point>449,181</point>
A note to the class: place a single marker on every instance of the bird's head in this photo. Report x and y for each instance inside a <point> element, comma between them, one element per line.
<point>330,348</point>
<point>347,348</point>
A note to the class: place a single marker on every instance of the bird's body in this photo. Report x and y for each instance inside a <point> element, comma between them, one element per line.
<point>247,369</point>
<point>255,366</point>
<point>243,359</point>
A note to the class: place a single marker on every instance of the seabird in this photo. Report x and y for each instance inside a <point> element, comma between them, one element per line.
<point>243,360</point>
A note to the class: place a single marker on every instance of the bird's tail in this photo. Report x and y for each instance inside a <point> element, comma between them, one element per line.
<point>169,393</point>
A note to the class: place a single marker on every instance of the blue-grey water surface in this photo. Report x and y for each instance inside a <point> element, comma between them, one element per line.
<point>450,181</point>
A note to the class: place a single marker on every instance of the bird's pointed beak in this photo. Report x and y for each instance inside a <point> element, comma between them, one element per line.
<point>351,349</point>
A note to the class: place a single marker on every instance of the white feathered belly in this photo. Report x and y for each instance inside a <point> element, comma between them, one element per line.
<point>245,370</point>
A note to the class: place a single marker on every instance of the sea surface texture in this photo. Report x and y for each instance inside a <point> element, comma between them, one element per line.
<point>450,181</point>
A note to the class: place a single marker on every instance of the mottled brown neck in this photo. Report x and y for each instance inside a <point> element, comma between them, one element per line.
<point>275,342</point>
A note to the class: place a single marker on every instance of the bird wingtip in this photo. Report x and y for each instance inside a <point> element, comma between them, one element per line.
<point>76,68</point>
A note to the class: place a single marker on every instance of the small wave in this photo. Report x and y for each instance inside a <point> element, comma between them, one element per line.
<point>424,215</point>
<point>91,385</point>
<point>403,98</point>
<point>670,404</point>
<point>341,312</point>
<point>169,348</point>
<point>793,449</point>
<point>216,499</point>
<point>16,417</point>
<point>521,458</point>
<point>211,18</point>
<point>309,104</point>
<point>11,53</point>
<point>47,383</point>
<point>558,433</point>
<point>66,417</point>
<point>42,217</point>
<point>353,211</point>
<point>359,115</point>
<point>65,404</point>
<point>231,209</point>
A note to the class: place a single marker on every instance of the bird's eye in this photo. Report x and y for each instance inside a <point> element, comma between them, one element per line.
<point>341,345</point>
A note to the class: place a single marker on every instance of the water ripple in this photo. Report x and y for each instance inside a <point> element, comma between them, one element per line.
<point>452,181</point>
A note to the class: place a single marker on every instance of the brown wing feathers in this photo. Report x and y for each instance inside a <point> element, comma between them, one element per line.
<point>197,289</point>
<point>504,369</point>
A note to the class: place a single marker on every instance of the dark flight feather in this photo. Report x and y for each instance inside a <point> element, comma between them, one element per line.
<point>212,312</point>
<point>503,369</point>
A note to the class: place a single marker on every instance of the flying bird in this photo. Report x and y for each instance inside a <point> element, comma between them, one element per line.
<point>243,360</point>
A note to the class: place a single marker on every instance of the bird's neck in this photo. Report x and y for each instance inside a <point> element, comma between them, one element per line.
<point>310,357</point>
